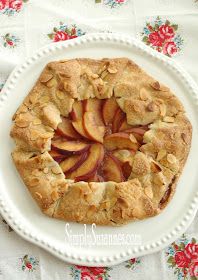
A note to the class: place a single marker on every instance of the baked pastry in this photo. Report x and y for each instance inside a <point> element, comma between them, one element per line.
<point>100,141</point>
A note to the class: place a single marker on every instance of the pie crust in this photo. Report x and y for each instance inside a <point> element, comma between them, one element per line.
<point>155,166</point>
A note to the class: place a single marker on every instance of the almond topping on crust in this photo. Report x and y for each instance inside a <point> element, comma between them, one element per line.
<point>45,78</point>
<point>168,119</point>
<point>144,95</point>
<point>185,138</point>
<point>162,109</point>
<point>34,134</point>
<point>44,99</point>
<point>37,121</point>
<point>51,83</point>
<point>171,158</point>
<point>151,106</point>
<point>46,170</point>
<point>39,196</point>
<point>60,94</point>
<point>94,76</point>
<point>54,195</point>
<point>149,192</point>
<point>22,123</point>
<point>112,70</point>
<point>34,182</point>
<point>56,170</point>
<point>155,85</point>
<point>132,138</point>
<point>36,172</point>
<point>46,135</point>
<point>161,154</point>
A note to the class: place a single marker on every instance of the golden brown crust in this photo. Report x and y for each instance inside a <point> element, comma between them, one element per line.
<point>156,167</point>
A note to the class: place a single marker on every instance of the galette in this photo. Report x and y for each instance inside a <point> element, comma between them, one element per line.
<point>100,141</point>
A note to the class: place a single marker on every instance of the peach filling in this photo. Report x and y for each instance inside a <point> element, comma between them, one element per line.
<point>95,143</point>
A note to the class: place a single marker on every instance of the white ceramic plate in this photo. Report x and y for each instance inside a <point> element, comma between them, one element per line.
<point>16,204</point>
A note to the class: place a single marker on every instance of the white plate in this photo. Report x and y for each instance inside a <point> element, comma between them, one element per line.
<point>16,204</point>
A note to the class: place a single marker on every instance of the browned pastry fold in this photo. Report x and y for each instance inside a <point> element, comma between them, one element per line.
<point>144,100</point>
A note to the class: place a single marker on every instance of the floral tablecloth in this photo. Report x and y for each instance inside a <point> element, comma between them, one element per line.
<point>169,27</point>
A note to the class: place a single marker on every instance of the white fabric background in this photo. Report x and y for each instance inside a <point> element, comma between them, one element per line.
<point>32,24</point>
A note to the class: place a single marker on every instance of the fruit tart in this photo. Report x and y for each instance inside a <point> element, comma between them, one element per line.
<point>100,141</point>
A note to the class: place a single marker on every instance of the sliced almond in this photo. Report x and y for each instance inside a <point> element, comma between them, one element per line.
<point>185,138</point>
<point>169,119</point>
<point>161,154</point>
<point>60,94</point>
<point>155,85</point>
<point>51,83</point>
<point>162,109</point>
<point>56,170</point>
<point>132,138</point>
<point>36,172</point>
<point>46,170</point>
<point>34,182</point>
<point>100,82</point>
<point>33,98</point>
<point>46,135</point>
<point>36,121</point>
<point>46,77</point>
<point>149,192</point>
<point>34,134</point>
<point>171,158</point>
<point>144,95</point>
<point>23,109</point>
<point>54,195</point>
<point>151,107</point>
<point>104,74</point>
<point>44,99</point>
<point>94,76</point>
<point>112,70</point>
<point>39,196</point>
<point>22,123</point>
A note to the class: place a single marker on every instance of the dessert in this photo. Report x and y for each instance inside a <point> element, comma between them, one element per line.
<point>100,141</point>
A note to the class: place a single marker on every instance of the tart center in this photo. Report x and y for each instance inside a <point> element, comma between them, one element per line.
<point>95,143</point>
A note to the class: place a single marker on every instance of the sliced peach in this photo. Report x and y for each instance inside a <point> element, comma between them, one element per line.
<point>79,127</point>
<point>120,140</point>
<point>72,163</point>
<point>118,120</point>
<point>112,170</point>
<point>66,129</point>
<point>94,105</point>
<point>109,109</point>
<point>69,147</point>
<point>56,156</point>
<point>77,111</point>
<point>90,165</point>
<point>124,125</point>
<point>94,131</point>
<point>126,169</point>
<point>138,130</point>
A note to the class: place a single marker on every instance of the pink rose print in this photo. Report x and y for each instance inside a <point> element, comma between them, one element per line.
<point>183,258</point>
<point>65,32</point>
<point>10,41</point>
<point>155,39</point>
<point>191,251</point>
<point>2,4</point>
<point>15,4</point>
<point>11,7</point>
<point>193,270</point>
<point>86,276</point>
<point>132,263</point>
<point>89,273</point>
<point>170,48</point>
<point>166,32</point>
<point>29,263</point>
<point>60,36</point>
<point>162,37</point>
